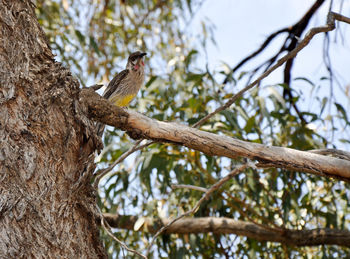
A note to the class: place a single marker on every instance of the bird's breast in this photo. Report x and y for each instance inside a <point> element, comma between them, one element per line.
<point>122,101</point>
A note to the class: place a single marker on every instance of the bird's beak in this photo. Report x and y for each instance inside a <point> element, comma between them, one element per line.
<point>141,58</point>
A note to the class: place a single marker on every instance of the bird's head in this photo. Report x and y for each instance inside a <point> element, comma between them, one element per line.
<point>135,61</point>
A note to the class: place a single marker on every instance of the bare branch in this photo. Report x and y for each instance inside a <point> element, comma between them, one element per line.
<point>339,17</point>
<point>224,225</point>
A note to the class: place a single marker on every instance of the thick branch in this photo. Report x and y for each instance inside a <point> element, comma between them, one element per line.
<point>230,226</point>
<point>209,143</point>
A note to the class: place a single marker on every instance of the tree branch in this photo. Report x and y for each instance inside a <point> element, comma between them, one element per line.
<point>255,53</point>
<point>100,109</point>
<point>291,42</point>
<point>293,31</point>
<point>222,225</point>
<point>302,44</point>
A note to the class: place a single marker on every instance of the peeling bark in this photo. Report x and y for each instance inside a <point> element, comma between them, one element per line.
<point>47,204</point>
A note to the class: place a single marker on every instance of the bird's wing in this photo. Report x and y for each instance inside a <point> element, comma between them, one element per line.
<point>113,85</point>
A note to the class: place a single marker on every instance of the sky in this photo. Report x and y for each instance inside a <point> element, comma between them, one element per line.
<point>242,26</point>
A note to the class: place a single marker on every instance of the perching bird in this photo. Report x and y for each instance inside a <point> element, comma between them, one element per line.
<point>124,86</point>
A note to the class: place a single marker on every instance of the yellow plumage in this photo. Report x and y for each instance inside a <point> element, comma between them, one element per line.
<point>122,100</point>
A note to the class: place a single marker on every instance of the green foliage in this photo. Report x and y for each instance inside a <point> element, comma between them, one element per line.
<point>94,38</point>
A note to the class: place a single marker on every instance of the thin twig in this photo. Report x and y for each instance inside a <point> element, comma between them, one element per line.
<point>302,44</point>
<point>255,53</point>
<point>205,196</point>
<point>340,18</point>
<point>187,186</point>
<point>108,229</point>
<point>103,172</point>
<point>276,228</point>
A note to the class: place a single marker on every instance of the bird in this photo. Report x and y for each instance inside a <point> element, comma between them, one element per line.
<point>123,88</point>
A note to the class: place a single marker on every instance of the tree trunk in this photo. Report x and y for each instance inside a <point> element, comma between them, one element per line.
<point>47,204</point>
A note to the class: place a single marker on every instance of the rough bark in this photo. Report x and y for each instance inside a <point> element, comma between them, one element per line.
<point>230,226</point>
<point>47,204</point>
<point>210,143</point>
